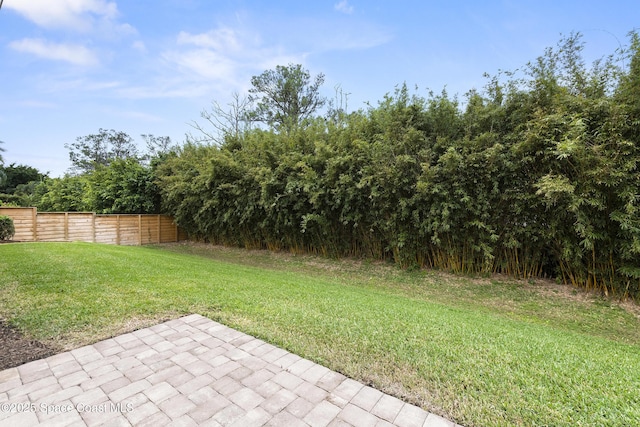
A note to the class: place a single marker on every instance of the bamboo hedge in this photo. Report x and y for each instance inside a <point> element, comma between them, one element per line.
<point>536,175</point>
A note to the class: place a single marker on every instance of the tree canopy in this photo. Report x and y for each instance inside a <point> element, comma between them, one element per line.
<point>285,96</point>
<point>92,151</point>
<point>110,176</point>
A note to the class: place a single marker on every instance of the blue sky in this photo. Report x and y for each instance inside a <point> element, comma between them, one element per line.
<point>71,67</point>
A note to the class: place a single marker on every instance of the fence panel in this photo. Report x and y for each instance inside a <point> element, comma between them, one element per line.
<point>51,227</point>
<point>107,229</point>
<point>24,221</point>
<point>80,227</point>
<point>149,230</point>
<point>129,227</point>
<point>168,232</point>
<point>34,226</point>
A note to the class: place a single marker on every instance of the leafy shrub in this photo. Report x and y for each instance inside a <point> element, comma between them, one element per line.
<point>7,230</point>
<point>535,177</point>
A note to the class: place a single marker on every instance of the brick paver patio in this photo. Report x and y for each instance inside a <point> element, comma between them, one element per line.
<point>193,371</point>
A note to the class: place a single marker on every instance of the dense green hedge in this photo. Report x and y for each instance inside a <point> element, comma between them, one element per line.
<point>535,175</point>
<point>125,186</point>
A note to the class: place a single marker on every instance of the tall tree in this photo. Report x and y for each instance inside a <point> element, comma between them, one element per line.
<point>92,151</point>
<point>286,96</point>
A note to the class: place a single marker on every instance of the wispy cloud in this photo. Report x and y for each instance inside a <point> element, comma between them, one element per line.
<point>74,54</point>
<point>344,7</point>
<point>139,46</point>
<point>221,39</point>
<point>225,55</point>
<point>78,15</point>
<point>37,104</point>
<point>222,60</point>
<point>213,63</point>
<point>55,84</point>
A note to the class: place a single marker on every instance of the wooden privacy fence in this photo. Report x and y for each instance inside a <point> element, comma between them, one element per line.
<point>34,226</point>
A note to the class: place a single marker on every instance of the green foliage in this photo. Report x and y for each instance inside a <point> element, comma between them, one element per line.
<point>113,178</point>
<point>18,186</point>
<point>93,151</point>
<point>7,228</point>
<point>538,175</point>
<point>285,96</point>
<point>66,194</point>
<point>125,186</point>
<point>17,175</point>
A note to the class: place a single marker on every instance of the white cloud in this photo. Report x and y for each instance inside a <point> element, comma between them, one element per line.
<point>344,7</point>
<point>215,64</point>
<point>222,60</point>
<point>139,46</point>
<point>69,14</point>
<point>204,63</point>
<point>226,56</point>
<point>74,54</point>
<point>222,39</point>
<point>55,85</point>
<point>37,104</point>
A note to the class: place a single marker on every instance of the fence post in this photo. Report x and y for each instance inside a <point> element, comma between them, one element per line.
<point>34,222</point>
<point>117,229</point>
<point>66,226</point>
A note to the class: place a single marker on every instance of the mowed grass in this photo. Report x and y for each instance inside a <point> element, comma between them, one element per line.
<point>481,352</point>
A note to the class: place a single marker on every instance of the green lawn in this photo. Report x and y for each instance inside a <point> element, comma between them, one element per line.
<point>481,352</point>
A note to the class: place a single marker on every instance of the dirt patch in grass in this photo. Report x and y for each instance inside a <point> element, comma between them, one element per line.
<point>18,349</point>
